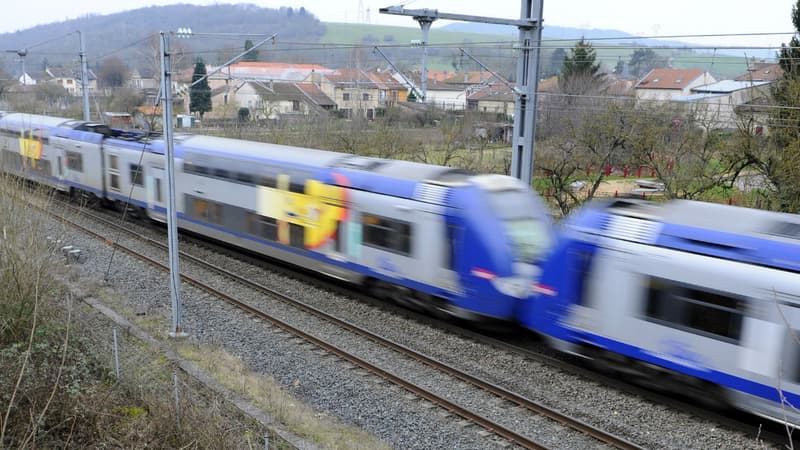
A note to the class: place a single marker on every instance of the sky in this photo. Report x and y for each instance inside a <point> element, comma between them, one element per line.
<point>675,17</point>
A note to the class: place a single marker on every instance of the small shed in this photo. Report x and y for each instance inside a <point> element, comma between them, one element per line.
<point>185,121</point>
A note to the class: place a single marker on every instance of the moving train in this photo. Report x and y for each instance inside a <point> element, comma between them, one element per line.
<point>431,237</point>
<point>690,297</point>
<point>695,298</point>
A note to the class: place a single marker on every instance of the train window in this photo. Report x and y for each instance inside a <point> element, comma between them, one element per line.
<point>695,309</point>
<point>583,268</point>
<point>269,228</point>
<point>387,234</point>
<point>268,181</point>
<point>299,187</point>
<point>137,174</point>
<point>297,235</point>
<point>339,237</point>
<point>221,173</point>
<point>244,177</point>
<point>158,191</point>
<point>12,160</point>
<point>214,213</point>
<point>75,161</point>
<point>204,210</point>
<point>38,166</point>
<point>262,226</point>
<point>200,170</point>
<point>793,341</point>
<point>113,162</point>
<point>450,244</point>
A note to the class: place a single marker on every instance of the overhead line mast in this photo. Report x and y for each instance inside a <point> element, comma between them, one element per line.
<point>530,38</point>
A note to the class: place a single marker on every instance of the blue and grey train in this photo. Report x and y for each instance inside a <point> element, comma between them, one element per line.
<point>433,237</point>
<point>695,298</point>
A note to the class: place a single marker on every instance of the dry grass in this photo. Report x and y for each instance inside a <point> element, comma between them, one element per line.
<point>57,388</point>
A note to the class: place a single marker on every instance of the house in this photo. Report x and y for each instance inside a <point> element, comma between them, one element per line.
<point>390,91</point>
<point>757,109</point>
<point>438,93</point>
<point>272,100</point>
<point>69,79</point>
<point>259,71</point>
<point>716,104</point>
<point>26,80</point>
<point>143,80</point>
<point>354,91</point>
<point>494,97</point>
<point>666,84</point>
<point>762,71</point>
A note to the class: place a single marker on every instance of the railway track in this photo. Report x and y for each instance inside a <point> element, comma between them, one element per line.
<point>511,398</point>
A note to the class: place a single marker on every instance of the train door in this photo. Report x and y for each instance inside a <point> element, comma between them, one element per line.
<point>156,193</point>
<point>771,343</point>
<point>434,241</point>
<point>788,377</point>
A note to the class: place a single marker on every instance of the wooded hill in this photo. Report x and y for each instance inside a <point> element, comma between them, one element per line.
<point>301,37</point>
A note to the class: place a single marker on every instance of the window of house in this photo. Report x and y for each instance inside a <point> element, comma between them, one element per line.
<point>365,96</point>
<point>387,234</point>
<point>346,96</point>
<point>695,309</point>
<point>75,161</point>
<point>295,105</point>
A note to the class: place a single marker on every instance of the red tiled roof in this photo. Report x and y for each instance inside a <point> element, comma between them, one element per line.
<point>762,72</point>
<point>669,78</point>
<point>468,77</point>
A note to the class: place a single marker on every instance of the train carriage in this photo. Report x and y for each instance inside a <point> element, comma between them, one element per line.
<point>427,236</point>
<point>431,237</point>
<point>700,299</point>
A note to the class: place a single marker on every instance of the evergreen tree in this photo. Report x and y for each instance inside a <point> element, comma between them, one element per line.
<point>619,69</point>
<point>580,73</point>
<point>781,164</point>
<point>580,61</point>
<point>251,56</point>
<point>200,93</point>
<point>643,60</point>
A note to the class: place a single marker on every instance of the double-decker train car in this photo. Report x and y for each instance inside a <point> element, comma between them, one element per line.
<point>701,299</point>
<point>432,237</point>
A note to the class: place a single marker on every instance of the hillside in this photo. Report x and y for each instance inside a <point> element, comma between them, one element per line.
<point>301,37</point>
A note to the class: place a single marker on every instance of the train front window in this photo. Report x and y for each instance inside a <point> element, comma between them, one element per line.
<point>528,235</point>
<point>529,238</point>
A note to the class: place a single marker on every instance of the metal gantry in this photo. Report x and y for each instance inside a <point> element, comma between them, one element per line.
<point>530,38</point>
<point>169,156</point>
<point>172,214</point>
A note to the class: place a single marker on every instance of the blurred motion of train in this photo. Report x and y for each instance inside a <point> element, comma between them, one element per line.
<point>432,237</point>
<point>691,297</point>
<point>695,298</point>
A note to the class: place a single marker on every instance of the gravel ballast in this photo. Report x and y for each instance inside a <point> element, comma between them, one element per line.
<point>333,387</point>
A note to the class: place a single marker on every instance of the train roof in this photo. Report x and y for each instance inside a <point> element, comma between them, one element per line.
<point>24,121</point>
<point>730,232</point>
<point>193,146</point>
